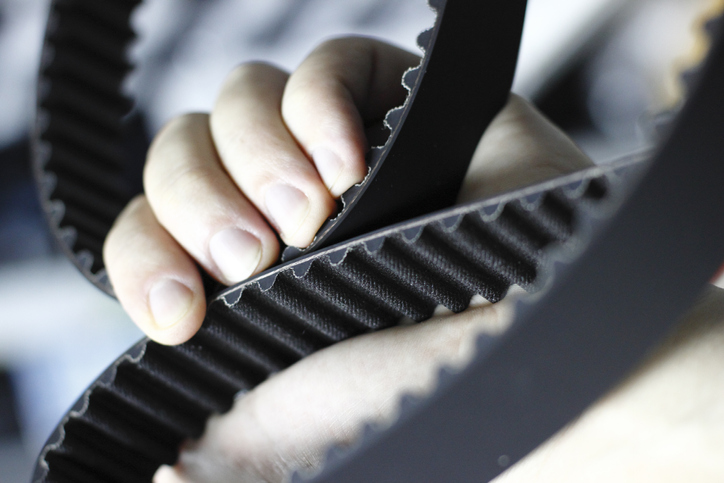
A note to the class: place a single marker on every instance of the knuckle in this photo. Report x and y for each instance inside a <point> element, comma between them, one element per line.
<point>132,211</point>
<point>117,244</point>
<point>183,184</point>
<point>179,125</point>
<point>311,92</point>
<point>176,158</point>
<point>332,45</point>
<point>172,136</point>
<point>300,96</point>
<point>250,71</point>
<point>342,44</point>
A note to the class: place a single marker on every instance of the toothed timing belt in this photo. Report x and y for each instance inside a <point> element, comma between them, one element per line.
<point>598,317</point>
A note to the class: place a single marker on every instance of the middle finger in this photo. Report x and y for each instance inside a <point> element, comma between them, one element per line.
<point>263,158</point>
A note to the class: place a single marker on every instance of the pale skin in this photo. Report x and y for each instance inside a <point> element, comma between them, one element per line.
<point>271,157</point>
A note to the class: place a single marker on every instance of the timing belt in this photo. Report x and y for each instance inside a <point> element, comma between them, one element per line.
<point>80,142</point>
<point>125,425</point>
<point>135,416</point>
<point>643,260</point>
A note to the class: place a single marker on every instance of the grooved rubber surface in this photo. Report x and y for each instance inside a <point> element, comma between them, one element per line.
<point>78,155</point>
<point>81,153</point>
<point>135,416</point>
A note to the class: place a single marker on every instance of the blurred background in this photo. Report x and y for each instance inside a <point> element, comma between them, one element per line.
<point>607,71</point>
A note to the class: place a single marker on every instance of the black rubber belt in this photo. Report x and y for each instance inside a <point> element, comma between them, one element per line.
<point>133,418</point>
<point>80,150</point>
<point>519,387</point>
<point>124,426</point>
<point>647,258</point>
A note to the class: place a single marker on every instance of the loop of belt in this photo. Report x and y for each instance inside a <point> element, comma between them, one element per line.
<point>133,418</point>
<point>646,255</point>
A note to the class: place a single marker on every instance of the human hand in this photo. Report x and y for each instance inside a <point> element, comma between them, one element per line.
<point>663,423</point>
<point>270,158</point>
<point>287,421</point>
<point>196,189</point>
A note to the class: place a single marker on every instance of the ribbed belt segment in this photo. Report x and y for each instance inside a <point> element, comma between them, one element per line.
<point>135,416</point>
<point>80,126</point>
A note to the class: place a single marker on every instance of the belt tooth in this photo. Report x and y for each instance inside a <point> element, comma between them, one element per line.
<point>436,253</point>
<point>125,424</point>
<point>90,202</point>
<point>557,213</point>
<point>237,351</point>
<point>187,405</point>
<point>516,236</point>
<point>508,251</point>
<point>400,257</point>
<point>86,222</point>
<point>113,16</point>
<point>424,39</point>
<point>309,311</point>
<point>69,62</point>
<point>69,130</point>
<point>361,268</point>
<point>69,467</point>
<point>349,303</point>
<point>216,364</point>
<point>257,314</point>
<point>545,220</point>
<point>597,189</point>
<point>485,253</point>
<point>410,77</point>
<point>167,416</point>
<point>185,380</point>
<point>69,163</point>
<point>85,31</point>
<point>100,111</point>
<point>95,452</point>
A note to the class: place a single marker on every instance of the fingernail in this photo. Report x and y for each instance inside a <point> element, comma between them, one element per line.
<point>329,166</point>
<point>236,253</point>
<point>287,206</point>
<point>169,301</point>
